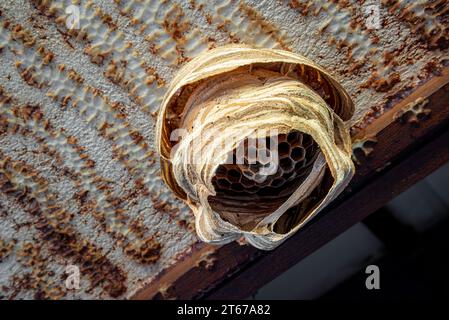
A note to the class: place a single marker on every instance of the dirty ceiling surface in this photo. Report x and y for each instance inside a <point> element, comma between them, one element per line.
<point>79,177</point>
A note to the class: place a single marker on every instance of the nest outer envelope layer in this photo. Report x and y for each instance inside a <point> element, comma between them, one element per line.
<point>281,103</point>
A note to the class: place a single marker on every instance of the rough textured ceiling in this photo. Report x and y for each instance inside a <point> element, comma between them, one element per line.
<point>79,178</point>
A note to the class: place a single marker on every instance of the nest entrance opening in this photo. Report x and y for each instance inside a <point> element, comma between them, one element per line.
<point>262,176</point>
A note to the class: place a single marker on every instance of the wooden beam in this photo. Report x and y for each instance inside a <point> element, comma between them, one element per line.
<point>405,152</point>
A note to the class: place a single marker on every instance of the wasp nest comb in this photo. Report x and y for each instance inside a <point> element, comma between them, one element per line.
<point>254,141</point>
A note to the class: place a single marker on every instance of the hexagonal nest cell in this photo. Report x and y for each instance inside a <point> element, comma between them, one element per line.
<point>258,185</point>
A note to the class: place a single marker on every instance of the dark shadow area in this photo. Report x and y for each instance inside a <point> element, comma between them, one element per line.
<point>408,240</point>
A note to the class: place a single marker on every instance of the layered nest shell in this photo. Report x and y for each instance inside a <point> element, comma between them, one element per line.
<point>254,141</point>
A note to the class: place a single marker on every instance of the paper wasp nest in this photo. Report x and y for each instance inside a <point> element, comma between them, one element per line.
<point>254,141</point>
